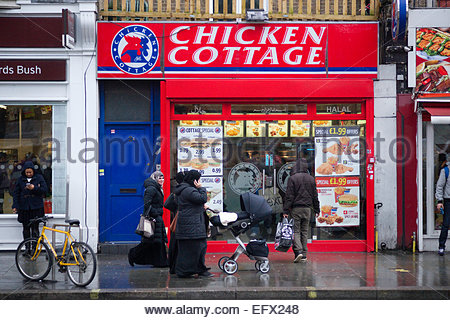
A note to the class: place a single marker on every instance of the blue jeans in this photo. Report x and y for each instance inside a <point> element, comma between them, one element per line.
<point>445,223</point>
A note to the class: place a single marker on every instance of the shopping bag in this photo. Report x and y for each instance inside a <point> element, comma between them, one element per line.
<point>173,224</point>
<point>145,227</point>
<point>284,236</point>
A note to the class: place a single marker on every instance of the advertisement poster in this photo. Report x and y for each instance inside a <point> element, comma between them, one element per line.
<point>214,190</point>
<point>200,148</point>
<point>433,60</point>
<point>339,201</point>
<point>337,151</point>
<point>300,128</point>
<point>256,128</point>
<point>278,128</point>
<point>234,128</point>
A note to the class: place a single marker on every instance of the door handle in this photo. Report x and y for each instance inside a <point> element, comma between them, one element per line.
<point>264,180</point>
<point>274,181</point>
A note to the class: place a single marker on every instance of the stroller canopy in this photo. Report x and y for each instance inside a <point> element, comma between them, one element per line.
<point>255,205</point>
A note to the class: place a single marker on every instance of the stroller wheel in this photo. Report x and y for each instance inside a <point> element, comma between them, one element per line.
<point>222,261</point>
<point>264,266</point>
<point>230,266</point>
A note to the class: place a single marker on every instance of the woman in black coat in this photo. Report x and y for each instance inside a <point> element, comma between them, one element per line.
<point>28,199</point>
<point>152,251</point>
<point>191,229</point>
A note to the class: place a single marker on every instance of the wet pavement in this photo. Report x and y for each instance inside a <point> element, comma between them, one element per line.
<point>384,275</point>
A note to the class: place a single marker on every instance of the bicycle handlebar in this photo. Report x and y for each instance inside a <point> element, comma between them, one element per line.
<point>39,220</point>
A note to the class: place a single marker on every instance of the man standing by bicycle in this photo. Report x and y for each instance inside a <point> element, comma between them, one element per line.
<point>28,199</point>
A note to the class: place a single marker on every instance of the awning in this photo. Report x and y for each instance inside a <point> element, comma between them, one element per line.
<point>439,115</point>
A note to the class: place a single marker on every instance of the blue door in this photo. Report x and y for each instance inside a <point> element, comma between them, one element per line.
<point>128,159</point>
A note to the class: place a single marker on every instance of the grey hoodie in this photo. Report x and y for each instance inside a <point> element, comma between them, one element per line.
<point>442,188</point>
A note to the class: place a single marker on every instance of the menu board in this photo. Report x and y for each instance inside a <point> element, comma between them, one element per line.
<point>256,128</point>
<point>189,122</point>
<point>339,201</point>
<point>300,128</point>
<point>278,128</point>
<point>337,151</point>
<point>234,128</point>
<point>214,190</point>
<point>200,148</point>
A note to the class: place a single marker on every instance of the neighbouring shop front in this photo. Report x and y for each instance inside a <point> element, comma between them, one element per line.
<point>432,105</point>
<point>242,102</point>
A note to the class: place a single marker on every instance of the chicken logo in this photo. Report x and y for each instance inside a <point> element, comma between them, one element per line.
<point>135,49</point>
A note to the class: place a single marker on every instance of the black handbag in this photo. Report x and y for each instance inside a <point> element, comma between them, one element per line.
<point>171,203</point>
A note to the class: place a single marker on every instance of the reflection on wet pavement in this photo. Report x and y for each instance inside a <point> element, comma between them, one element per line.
<point>322,270</point>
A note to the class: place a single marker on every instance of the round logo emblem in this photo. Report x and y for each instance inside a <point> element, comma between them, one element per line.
<point>283,175</point>
<point>182,130</point>
<point>245,177</point>
<point>135,49</point>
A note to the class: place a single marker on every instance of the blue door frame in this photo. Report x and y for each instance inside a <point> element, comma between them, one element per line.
<point>128,155</point>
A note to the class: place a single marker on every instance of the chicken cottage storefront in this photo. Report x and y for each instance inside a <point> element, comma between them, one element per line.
<point>241,103</point>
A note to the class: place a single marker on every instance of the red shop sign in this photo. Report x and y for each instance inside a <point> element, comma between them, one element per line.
<point>281,50</point>
<point>337,182</point>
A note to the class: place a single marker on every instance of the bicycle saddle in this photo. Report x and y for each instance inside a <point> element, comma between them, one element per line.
<point>73,222</point>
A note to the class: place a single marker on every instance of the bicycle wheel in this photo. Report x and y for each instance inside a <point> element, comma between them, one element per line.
<point>33,261</point>
<point>82,264</point>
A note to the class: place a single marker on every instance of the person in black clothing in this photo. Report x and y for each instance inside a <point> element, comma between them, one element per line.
<point>152,251</point>
<point>28,199</point>
<point>301,197</point>
<point>173,244</point>
<point>191,227</point>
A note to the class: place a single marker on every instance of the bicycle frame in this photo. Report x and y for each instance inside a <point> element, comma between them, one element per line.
<point>67,237</point>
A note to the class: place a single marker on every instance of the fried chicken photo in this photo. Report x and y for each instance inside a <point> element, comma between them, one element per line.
<point>340,168</point>
<point>325,169</point>
<point>334,149</point>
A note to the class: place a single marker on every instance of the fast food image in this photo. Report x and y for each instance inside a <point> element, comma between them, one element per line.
<point>343,147</point>
<point>340,169</point>
<point>339,219</point>
<point>198,164</point>
<point>233,131</point>
<point>210,123</point>
<point>339,191</point>
<point>200,145</point>
<point>433,76</point>
<point>325,169</point>
<point>325,211</point>
<point>431,43</point>
<point>348,200</point>
<point>332,160</point>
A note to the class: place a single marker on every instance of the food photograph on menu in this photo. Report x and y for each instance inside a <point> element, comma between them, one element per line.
<point>300,128</point>
<point>234,129</point>
<point>433,60</point>
<point>337,151</point>
<point>339,201</point>
<point>200,148</point>
<point>214,191</point>
<point>278,128</point>
<point>256,128</point>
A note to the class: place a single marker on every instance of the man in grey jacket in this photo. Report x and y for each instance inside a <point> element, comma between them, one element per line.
<point>443,198</point>
<point>301,197</point>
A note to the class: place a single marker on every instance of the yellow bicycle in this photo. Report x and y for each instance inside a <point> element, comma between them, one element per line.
<point>34,256</point>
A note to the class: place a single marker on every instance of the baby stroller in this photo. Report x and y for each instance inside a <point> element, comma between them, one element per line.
<point>254,209</point>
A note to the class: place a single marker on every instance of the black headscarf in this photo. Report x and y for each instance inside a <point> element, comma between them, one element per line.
<point>192,175</point>
<point>179,177</point>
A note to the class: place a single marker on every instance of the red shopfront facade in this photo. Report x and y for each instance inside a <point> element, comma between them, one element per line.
<point>242,102</point>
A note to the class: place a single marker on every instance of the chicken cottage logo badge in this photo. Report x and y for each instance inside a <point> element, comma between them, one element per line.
<point>135,49</point>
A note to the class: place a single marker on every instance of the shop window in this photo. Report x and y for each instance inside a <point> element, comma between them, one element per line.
<point>441,150</point>
<point>334,108</point>
<point>127,101</point>
<point>33,133</point>
<point>198,109</point>
<point>272,109</point>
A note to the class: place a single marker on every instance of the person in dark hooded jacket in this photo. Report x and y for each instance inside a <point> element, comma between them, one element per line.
<point>301,197</point>
<point>191,227</point>
<point>152,251</point>
<point>28,199</point>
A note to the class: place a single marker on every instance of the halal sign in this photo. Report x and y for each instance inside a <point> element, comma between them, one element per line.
<point>135,49</point>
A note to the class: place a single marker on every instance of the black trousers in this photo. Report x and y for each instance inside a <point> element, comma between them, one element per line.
<point>191,257</point>
<point>30,231</point>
